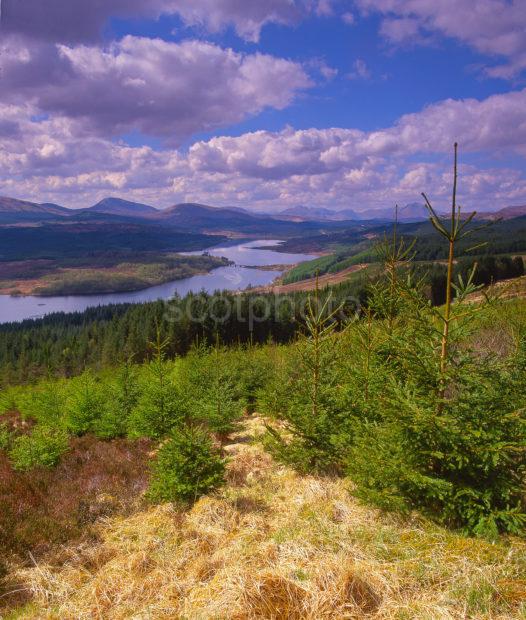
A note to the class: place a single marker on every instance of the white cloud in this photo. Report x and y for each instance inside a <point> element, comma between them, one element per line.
<point>170,90</point>
<point>73,21</point>
<point>493,27</point>
<point>53,159</point>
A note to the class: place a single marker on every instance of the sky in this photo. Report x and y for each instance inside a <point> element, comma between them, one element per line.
<point>263,104</point>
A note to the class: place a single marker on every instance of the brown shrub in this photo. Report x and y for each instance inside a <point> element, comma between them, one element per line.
<point>95,478</point>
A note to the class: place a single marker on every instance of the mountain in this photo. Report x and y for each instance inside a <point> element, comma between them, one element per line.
<point>300,213</point>
<point>349,214</point>
<point>205,219</point>
<point>190,214</point>
<point>412,212</point>
<point>13,211</point>
<point>318,214</point>
<point>118,206</point>
<point>508,213</point>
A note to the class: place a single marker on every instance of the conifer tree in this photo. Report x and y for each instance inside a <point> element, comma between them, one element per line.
<point>186,467</point>
<point>451,436</point>
<point>86,403</point>
<point>123,394</point>
<point>209,383</point>
<point>160,406</point>
<point>311,399</point>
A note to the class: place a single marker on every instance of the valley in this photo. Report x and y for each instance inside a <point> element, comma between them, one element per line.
<point>117,248</point>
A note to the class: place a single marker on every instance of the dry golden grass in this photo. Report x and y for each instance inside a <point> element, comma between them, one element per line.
<point>275,545</point>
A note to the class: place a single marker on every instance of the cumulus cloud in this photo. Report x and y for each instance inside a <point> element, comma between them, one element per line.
<point>54,159</point>
<point>492,27</point>
<point>496,123</point>
<point>160,88</point>
<point>82,21</point>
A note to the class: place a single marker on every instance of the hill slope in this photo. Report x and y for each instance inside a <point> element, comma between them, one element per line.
<point>13,211</point>
<point>277,545</point>
<point>117,206</point>
<point>507,213</point>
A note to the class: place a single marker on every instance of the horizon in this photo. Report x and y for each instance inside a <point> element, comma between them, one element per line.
<point>334,104</point>
<point>261,211</point>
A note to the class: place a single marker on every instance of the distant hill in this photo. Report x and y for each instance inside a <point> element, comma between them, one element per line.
<point>202,216</point>
<point>118,206</point>
<point>409,213</point>
<point>320,214</point>
<point>412,212</point>
<point>508,213</point>
<point>206,219</point>
<point>13,211</point>
<point>301,214</point>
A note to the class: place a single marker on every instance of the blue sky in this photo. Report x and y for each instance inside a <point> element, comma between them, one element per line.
<point>401,80</point>
<point>263,104</point>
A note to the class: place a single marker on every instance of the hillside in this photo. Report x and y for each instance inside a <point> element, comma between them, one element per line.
<point>206,219</point>
<point>507,213</point>
<point>101,274</point>
<point>74,239</point>
<point>288,530</point>
<point>14,211</point>
<point>117,206</point>
<point>276,545</point>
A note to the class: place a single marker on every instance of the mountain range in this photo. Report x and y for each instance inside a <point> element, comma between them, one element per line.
<point>204,218</point>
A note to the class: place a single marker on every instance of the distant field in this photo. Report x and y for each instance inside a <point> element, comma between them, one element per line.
<point>102,274</point>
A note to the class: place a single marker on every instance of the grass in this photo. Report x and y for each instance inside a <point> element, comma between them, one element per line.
<point>276,545</point>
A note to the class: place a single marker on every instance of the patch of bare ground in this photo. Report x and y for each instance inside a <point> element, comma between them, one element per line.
<point>328,279</point>
<point>279,546</point>
<point>506,289</point>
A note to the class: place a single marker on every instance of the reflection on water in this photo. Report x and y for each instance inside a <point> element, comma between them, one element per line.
<point>233,277</point>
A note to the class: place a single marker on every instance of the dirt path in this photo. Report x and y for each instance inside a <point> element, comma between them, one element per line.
<point>329,279</point>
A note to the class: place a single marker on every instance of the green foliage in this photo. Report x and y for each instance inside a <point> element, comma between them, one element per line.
<point>309,398</point>
<point>42,448</point>
<point>46,403</point>
<point>209,383</point>
<point>310,268</point>
<point>123,395</point>
<point>161,405</point>
<point>186,467</point>
<point>344,258</point>
<point>450,436</point>
<point>87,403</point>
<point>252,367</point>
<point>461,460</point>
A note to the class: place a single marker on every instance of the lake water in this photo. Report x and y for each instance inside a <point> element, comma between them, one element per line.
<point>235,277</point>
